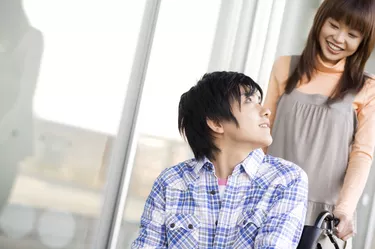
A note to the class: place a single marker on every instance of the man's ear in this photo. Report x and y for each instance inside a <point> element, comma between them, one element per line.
<point>215,126</point>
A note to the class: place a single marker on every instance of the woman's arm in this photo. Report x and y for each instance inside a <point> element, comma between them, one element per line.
<point>275,89</point>
<point>360,159</point>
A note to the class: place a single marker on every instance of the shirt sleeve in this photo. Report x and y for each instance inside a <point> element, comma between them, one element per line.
<point>152,230</point>
<point>286,218</point>
<point>361,156</point>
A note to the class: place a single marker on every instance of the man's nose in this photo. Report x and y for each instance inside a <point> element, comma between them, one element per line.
<point>266,112</point>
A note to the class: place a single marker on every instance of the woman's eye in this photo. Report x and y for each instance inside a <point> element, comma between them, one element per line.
<point>334,26</point>
<point>352,35</point>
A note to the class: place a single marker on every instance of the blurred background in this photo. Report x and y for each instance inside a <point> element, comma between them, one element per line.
<point>88,105</point>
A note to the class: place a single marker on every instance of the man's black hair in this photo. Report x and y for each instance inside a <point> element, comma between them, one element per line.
<point>211,98</point>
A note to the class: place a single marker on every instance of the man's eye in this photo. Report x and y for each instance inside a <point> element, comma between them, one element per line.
<point>249,99</point>
<point>253,99</point>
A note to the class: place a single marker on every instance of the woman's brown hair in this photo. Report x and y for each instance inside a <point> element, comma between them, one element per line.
<point>358,15</point>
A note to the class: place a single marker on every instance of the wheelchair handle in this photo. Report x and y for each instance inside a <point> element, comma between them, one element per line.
<point>322,217</point>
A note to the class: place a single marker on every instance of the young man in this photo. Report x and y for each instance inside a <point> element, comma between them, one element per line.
<point>231,195</point>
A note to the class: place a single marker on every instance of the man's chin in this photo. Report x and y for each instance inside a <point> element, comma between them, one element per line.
<point>264,143</point>
<point>267,142</point>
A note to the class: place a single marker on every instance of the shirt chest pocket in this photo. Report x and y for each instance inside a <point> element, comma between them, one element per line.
<point>248,225</point>
<point>182,231</point>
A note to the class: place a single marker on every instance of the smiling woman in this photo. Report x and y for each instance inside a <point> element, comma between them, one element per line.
<point>338,40</point>
<point>324,121</point>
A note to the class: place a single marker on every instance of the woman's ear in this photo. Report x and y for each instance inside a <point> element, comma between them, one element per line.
<point>215,126</point>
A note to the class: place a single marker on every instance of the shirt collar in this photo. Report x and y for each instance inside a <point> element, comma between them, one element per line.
<point>324,67</point>
<point>203,163</point>
<point>250,164</point>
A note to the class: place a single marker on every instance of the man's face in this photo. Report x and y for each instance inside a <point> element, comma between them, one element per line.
<point>253,122</point>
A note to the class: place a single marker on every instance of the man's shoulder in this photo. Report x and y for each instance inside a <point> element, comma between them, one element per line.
<point>278,171</point>
<point>177,175</point>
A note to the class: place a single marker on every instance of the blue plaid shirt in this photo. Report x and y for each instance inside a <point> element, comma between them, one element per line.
<point>263,206</point>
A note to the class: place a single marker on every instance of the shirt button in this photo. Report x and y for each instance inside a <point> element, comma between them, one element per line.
<point>212,192</point>
<point>172,225</point>
<point>215,223</point>
<point>190,226</point>
<point>244,222</point>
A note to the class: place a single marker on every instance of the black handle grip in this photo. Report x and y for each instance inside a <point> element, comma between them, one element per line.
<point>336,221</point>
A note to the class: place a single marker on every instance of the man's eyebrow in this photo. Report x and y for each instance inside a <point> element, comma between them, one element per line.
<point>255,94</point>
<point>248,93</point>
<point>252,93</point>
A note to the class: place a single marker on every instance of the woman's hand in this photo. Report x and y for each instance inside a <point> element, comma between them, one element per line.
<point>345,229</point>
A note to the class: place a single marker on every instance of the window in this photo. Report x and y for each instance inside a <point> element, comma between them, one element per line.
<point>54,154</point>
<point>179,57</point>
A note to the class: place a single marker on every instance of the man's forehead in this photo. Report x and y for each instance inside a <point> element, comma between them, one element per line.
<point>247,89</point>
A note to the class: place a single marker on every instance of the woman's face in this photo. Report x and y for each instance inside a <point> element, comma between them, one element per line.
<point>338,41</point>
